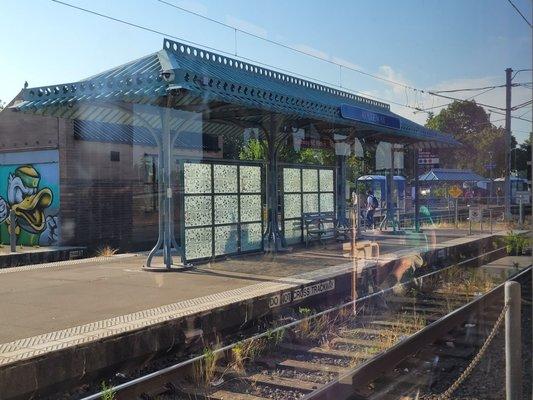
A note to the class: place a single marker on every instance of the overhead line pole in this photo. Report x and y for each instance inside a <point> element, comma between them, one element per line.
<point>507,188</point>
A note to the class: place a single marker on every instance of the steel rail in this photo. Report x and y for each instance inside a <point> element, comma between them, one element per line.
<point>158,379</point>
<point>344,387</point>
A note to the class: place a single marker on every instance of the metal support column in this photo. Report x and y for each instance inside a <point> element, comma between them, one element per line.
<point>166,237</point>
<point>273,237</point>
<point>417,190</point>
<point>390,216</point>
<point>341,192</point>
<point>507,169</point>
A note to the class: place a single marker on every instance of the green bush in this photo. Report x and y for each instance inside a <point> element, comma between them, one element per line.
<point>515,244</point>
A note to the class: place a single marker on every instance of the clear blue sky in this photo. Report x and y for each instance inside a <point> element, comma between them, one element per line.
<point>427,44</point>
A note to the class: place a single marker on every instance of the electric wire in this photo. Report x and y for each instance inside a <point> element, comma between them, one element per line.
<point>520,12</point>
<point>521,105</point>
<point>165,34</point>
<point>467,89</point>
<point>285,46</point>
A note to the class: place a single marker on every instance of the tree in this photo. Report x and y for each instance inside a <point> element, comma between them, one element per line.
<point>257,150</point>
<point>470,124</point>
<point>254,150</point>
<point>519,160</point>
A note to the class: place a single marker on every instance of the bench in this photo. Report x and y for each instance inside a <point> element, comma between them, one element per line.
<point>322,226</point>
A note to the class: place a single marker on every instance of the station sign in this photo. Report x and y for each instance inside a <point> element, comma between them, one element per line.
<point>475,213</point>
<point>427,158</point>
<point>315,143</point>
<point>369,117</point>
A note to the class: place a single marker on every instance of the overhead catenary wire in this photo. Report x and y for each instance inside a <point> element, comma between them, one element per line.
<point>516,72</point>
<point>520,12</point>
<point>467,89</point>
<point>286,46</point>
<point>165,34</point>
<point>300,51</point>
<point>521,105</point>
<point>512,116</point>
<point>460,100</point>
<point>457,99</point>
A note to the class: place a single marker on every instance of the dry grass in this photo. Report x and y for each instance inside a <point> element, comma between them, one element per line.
<point>402,325</point>
<point>244,352</point>
<point>469,281</point>
<point>444,224</point>
<point>106,251</point>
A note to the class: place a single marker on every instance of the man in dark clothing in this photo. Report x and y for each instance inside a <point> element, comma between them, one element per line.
<point>371,205</point>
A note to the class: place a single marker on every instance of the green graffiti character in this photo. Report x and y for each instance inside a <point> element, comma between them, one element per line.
<point>28,203</point>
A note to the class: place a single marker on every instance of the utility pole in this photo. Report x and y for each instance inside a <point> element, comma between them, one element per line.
<point>491,153</point>
<point>507,188</point>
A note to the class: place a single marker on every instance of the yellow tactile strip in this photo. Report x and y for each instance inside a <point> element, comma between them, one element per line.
<point>65,263</point>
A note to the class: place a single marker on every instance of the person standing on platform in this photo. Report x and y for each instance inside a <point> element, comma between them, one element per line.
<point>371,205</point>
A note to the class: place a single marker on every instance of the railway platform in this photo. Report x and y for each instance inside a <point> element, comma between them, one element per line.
<point>26,255</point>
<point>79,317</point>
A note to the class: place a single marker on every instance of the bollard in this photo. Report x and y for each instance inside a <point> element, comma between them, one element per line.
<point>520,212</point>
<point>490,220</point>
<point>12,234</point>
<point>469,225</point>
<point>513,344</point>
<point>456,214</point>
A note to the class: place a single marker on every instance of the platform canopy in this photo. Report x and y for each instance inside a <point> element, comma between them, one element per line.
<point>450,175</point>
<point>230,90</point>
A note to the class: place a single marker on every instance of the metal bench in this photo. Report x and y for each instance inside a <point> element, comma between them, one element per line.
<point>322,226</point>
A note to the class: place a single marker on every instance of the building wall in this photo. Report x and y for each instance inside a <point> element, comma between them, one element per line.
<point>29,144</point>
<point>99,200</point>
<point>110,202</point>
<point>24,132</point>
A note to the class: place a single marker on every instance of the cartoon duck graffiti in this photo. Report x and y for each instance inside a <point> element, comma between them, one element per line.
<point>28,203</point>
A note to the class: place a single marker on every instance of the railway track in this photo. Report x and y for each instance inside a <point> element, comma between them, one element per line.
<point>379,347</point>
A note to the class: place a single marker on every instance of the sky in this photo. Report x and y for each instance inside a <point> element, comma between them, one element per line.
<point>425,44</point>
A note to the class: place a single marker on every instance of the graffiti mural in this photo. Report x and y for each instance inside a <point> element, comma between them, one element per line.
<point>32,192</point>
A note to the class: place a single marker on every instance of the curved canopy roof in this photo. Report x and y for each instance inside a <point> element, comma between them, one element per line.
<point>229,89</point>
<point>379,178</point>
<point>450,175</point>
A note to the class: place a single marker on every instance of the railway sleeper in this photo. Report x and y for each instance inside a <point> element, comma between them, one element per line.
<point>290,363</point>
<point>422,301</point>
<point>361,333</point>
<point>282,382</point>
<point>299,349</point>
<point>242,389</point>
<point>272,376</point>
<point>358,342</point>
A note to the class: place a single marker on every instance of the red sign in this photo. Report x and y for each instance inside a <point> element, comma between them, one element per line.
<point>312,143</point>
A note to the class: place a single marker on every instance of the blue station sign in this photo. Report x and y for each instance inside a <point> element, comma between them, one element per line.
<point>369,117</point>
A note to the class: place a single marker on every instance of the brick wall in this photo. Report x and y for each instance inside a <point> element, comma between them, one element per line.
<point>103,202</point>
<point>24,132</point>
